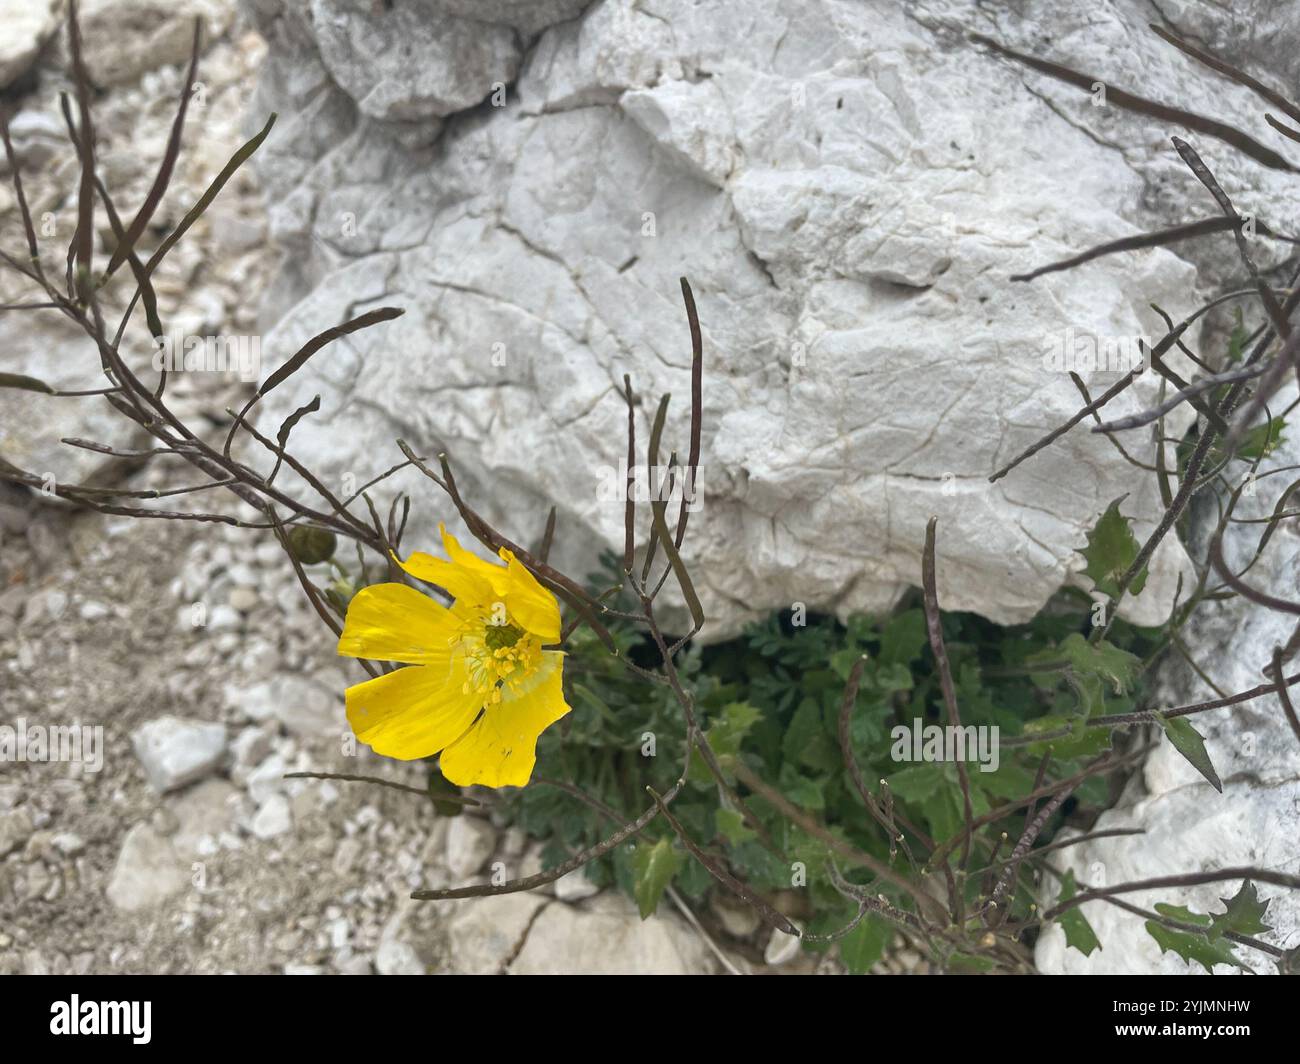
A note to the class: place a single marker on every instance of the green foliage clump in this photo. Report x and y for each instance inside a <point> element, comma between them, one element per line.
<point>770,701</point>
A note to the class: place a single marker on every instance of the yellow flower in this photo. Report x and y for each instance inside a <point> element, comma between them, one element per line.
<point>478,686</point>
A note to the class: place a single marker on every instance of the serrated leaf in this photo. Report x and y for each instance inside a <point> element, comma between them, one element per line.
<point>1244,914</point>
<point>1118,668</point>
<point>1182,914</point>
<point>1111,549</point>
<point>653,868</point>
<point>1193,948</point>
<point>867,727</point>
<point>729,729</point>
<point>1078,932</point>
<point>1191,744</point>
<point>732,827</point>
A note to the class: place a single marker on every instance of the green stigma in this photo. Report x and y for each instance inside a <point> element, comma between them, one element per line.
<point>501,635</point>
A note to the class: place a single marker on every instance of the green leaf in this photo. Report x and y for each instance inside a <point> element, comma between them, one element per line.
<point>438,790</point>
<point>903,638</point>
<point>339,594</point>
<point>804,792</point>
<point>805,741</point>
<point>1102,660</point>
<point>1111,549</point>
<point>758,866</point>
<point>842,662</point>
<point>1262,440</point>
<point>732,827</point>
<point>867,728</point>
<point>1081,742</point>
<point>944,810</point>
<point>1200,949</point>
<point>590,698</point>
<point>890,678</point>
<point>865,945</point>
<point>1191,744</point>
<point>1078,932</point>
<point>654,868</point>
<point>1245,913</point>
<point>968,964</point>
<point>1089,692</point>
<point>1182,914</point>
<point>728,731</point>
<point>1009,781</point>
<point>916,783</point>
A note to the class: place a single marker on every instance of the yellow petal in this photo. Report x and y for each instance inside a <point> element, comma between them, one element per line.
<point>393,622</point>
<point>413,712</point>
<point>501,748</point>
<point>528,602</point>
<point>473,581</point>
<point>464,585</point>
<point>469,560</point>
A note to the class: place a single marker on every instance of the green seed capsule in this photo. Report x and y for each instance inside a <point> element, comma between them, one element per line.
<point>311,545</point>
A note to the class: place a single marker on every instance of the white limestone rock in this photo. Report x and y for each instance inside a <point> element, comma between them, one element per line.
<point>848,188</point>
<point>28,25</point>
<point>484,935</point>
<point>203,814</point>
<point>304,705</point>
<point>529,17</point>
<point>470,842</point>
<point>575,887</point>
<point>147,873</point>
<point>395,955</point>
<point>124,39</point>
<point>15,829</point>
<point>175,752</point>
<point>409,62</point>
<point>58,417</point>
<point>273,818</point>
<point>606,936</point>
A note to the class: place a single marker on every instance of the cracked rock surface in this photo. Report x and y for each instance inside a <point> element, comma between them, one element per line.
<point>1188,826</point>
<point>848,187</point>
<point>178,845</point>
